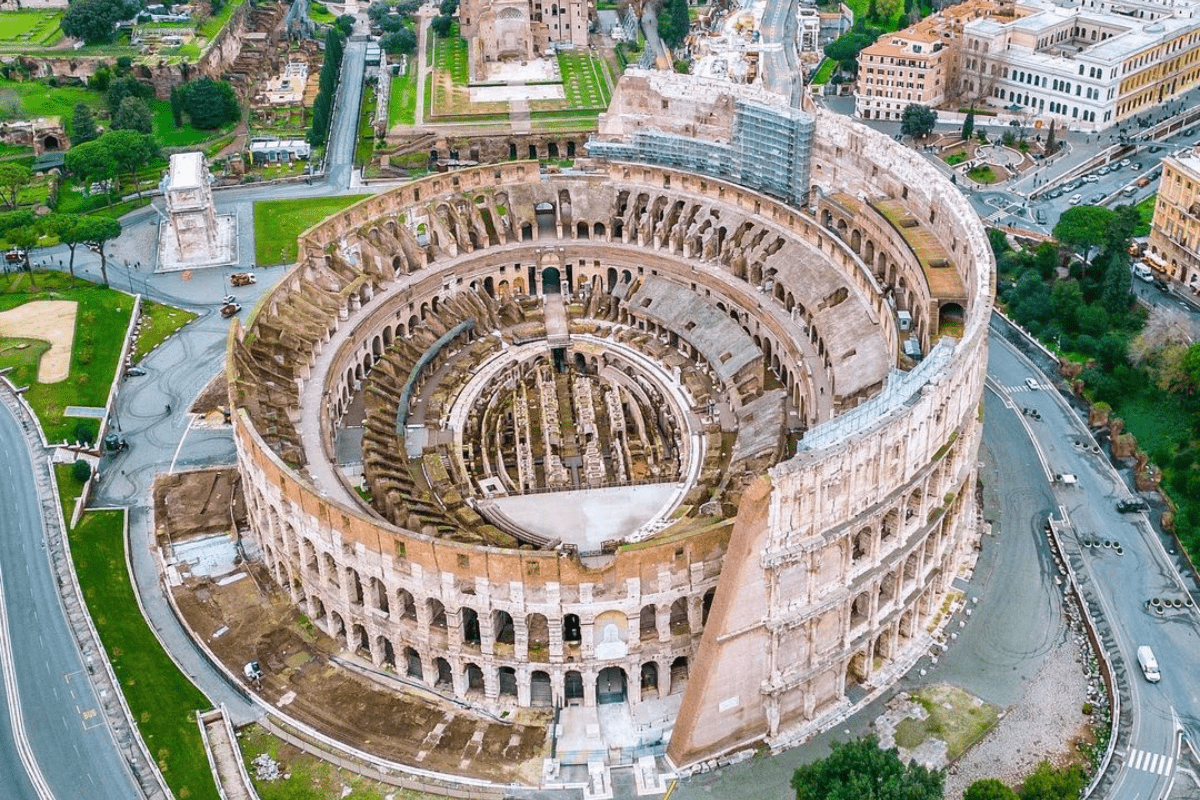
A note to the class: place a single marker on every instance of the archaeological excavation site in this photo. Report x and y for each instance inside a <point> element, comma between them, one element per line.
<point>678,444</point>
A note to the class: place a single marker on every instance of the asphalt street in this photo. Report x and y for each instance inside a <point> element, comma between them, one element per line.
<point>69,741</point>
<point>1124,582</point>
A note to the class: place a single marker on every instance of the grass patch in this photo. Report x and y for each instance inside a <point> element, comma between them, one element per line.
<point>310,778</point>
<point>24,356</point>
<point>162,700</point>
<point>29,29</point>
<point>450,56</point>
<point>366,129</point>
<point>214,24</point>
<point>1145,210</point>
<point>158,322</point>
<point>825,72</point>
<point>39,99</point>
<point>170,136</point>
<point>402,101</point>
<point>982,174</point>
<point>101,320</point>
<point>952,716</point>
<point>278,223</point>
<point>956,158</point>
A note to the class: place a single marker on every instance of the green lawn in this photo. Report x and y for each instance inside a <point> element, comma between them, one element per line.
<point>450,55</point>
<point>825,72</point>
<point>161,698</point>
<point>29,28</point>
<point>101,320</point>
<point>402,102</point>
<point>321,15</point>
<point>38,99</point>
<point>158,322</point>
<point>213,26</point>
<point>278,223</point>
<point>585,80</point>
<point>23,355</point>
<point>366,128</point>
<point>170,136</point>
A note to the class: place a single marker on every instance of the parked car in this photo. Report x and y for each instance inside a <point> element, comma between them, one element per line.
<point>1075,199</point>
<point>1097,198</point>
<point>227,299</point>
<point>1161,285</point>
<point>229,309</point>
<point>1124,162</point>
<point>1144,180</point>
<point>134,372</point>
<point>242,278</point>
<point>1090,178</point>
<point>1040,216</point>
<point>1132,504</point>
<point>1135,166</point>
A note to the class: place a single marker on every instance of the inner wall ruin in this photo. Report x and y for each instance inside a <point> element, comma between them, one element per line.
<point>442,408</point>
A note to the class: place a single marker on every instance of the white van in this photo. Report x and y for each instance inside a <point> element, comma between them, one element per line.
<point>1148,663</point>
<point>1140,270</point>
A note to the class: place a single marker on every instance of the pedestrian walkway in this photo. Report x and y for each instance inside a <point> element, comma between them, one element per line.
<point>1153,763</point>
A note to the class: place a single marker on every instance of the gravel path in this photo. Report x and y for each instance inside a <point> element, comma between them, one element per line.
<point>1043,724</point>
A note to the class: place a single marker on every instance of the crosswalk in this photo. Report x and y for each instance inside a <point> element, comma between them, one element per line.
<point>1018,388</point>
<point>1153,763</point>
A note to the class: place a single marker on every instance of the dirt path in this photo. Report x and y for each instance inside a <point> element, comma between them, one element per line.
<point>51,321</point>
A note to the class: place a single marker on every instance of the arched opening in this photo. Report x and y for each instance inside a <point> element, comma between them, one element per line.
<point>405,604</point>
<point>387,655</point>
<point>544,214</point>
<point>470,626</point>
<point>412,664</point>
<point>706,605</point>
<point>610,686</point>
<point>437,614</point>
<point>445,676</point>
<point>51,142</point>
<point>573,687</point>
<point>950,319</point>
<point>539,637</point>
<point>362,643</point>
<point>649,680</point>
<point>502,624</point>
<point>508,681</point>
<point>541,695</point>
<point>572,633</point>
<point>533,152</point>
<point>647,623</point>
<point>679,674</point>
<point>474,678</point>
<point>679,618</point>
<point>339,628</point>
<point>862,545</point>
<point>856,670</point>
<point>860,610</point>
<point>551,281</point>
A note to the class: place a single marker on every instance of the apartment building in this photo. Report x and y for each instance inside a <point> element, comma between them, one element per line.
<point>1175,229</point>
<point>1086,65</point>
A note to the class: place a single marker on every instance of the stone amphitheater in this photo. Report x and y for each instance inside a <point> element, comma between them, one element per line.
<point>627,440</point>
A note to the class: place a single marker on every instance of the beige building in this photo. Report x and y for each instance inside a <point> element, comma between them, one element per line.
<point>1175,230</point>
<point>520,30</point>
<point>1087,66</point>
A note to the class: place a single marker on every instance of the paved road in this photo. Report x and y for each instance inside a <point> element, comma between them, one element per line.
<point>68,738</point>
<point>1124,583</point>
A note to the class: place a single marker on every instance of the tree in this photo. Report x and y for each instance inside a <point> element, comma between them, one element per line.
<point>130,152</point>
<point>403,41</point>
<point>448,7</point>
<point>83,126</point>
<point>441,25</point>
<point>95,20</point>
<point>846,47</point>
<point>133,115</point>
<point>1047,783</point>
<point>861,769</point>
<point>91,162</point>
<point>1191,365</point>
<point>1120,231</point>
<point>209,103</point>
<point>344,24</point>
<point>176,106</point>
<point>1051,140</point>
<point>968,125</point>
<point>97,231</point>
<point>69,232</point>
<point>81,471</point>
<point>13,178</point>
<point>673,22</point>
<point>121,88</point>
<point>1082,228</point>
<point>989,789</point>
<point>917,121</point>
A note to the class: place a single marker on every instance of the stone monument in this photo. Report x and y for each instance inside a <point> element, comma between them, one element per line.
<point>192,234</point>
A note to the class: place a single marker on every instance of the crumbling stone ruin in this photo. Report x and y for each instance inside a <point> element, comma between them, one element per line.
<point>448,355</point>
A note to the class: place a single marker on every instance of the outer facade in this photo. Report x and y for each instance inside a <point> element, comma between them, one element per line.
<point>1175,228</point>
<point>827,570</point>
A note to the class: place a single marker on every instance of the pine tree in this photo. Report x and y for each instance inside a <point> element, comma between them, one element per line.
<point>83,126</point>
<point>968,125</point>
<point>1051,140</point>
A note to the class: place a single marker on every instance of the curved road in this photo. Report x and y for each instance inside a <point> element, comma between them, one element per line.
<point>68,738</point>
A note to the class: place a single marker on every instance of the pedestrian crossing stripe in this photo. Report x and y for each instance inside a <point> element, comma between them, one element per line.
<point>1153,763</point>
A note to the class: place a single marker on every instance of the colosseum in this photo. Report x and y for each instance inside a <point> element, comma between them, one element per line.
<point>687,446</point>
